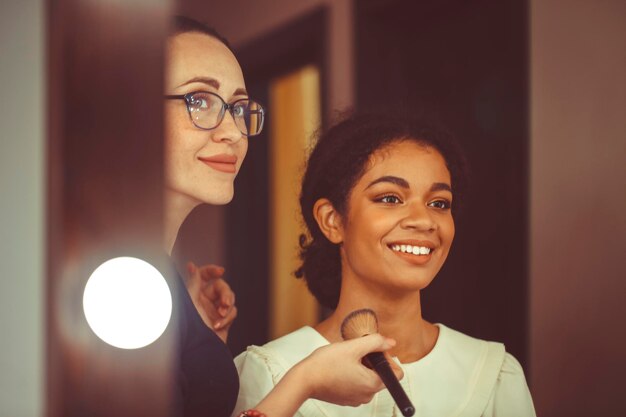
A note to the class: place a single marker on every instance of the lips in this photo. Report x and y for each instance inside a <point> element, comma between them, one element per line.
<point>415,252</point>
<point>222,162</point>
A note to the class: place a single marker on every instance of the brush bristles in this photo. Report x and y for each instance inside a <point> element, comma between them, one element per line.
<point>359,323</point>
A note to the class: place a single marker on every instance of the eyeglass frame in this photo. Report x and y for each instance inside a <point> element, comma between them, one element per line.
<point>225,106</point>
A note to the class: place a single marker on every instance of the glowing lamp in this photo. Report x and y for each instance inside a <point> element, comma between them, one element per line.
<point>127,303</point>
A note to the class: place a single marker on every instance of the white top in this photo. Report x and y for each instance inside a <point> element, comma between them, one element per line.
<point>461,376</point>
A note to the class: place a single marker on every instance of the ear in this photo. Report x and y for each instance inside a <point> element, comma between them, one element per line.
<point>328,220</point>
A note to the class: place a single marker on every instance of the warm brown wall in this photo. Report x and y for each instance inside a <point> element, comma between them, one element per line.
<point>578,226</point>
<point>243,20</point>
<point>104,200</point>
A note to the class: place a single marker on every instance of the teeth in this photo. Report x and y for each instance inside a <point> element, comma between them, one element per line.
<point>415,250</point>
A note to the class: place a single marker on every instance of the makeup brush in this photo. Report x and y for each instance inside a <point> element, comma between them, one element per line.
<point>360,323</point>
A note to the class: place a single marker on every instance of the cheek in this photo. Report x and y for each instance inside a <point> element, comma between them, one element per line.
<point>182,140</point>
<point>367,229</point>
<point>174,142</point>
<point>447,232</point>
<point>241,151</point>
<point>179,157</point>
<point>174,152</point>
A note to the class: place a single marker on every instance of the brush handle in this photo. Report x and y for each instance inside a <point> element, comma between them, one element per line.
<point>378,362</point>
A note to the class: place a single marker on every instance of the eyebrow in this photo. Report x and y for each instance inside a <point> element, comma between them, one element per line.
<point>438,186</point>
<point>389,178</point>
<point>212,82</point>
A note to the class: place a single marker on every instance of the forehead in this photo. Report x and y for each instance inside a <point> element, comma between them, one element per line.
<point>194,54</point>
<point>410,160</point>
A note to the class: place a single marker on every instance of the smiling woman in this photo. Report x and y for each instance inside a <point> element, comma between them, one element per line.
<point>205,145</point>
<point>204,148</point>
<point>398,216</point>
<point>377,199</point>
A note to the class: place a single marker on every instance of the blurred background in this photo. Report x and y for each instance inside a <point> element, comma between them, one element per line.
<point>535,91</point>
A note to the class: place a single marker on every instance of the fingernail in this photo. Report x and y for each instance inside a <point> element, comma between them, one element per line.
<point>217,325</point>
<point>391,342</point>
<point>190,267</point>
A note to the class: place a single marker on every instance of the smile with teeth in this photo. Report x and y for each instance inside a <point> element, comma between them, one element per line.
<point>415,250</point>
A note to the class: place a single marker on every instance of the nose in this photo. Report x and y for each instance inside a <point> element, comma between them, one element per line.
<point>227,130</point>
<point>418,217</point>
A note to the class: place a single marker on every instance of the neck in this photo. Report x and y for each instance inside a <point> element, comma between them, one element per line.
<point>399,317</point>
<point>177,207</point>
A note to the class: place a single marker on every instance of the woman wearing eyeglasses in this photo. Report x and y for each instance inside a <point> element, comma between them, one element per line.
<point>209,120</point>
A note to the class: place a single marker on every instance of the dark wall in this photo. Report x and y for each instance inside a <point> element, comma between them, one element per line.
<point>465,61</point>
<point>247,236</point>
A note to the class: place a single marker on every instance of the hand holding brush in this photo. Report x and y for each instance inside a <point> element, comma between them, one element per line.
<point>364,322</point>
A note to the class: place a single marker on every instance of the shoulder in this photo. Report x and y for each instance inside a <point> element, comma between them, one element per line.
<point>469,352</point>
<point>279,355</point>
<point>489,353</point>
<point>483,355</point>
<point>489,374</point>
<point>511,366</point>
<point>511,395</point>
<point>499,386</point>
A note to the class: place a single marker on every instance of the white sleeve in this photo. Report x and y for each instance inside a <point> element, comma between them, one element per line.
<point>255,380</point>
<point>511,396</point>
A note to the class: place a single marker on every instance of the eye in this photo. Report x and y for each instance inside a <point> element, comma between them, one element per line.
<point>202,102</point>
<point>240,109</point>
<point>389,199</point>
<point>440,204</point>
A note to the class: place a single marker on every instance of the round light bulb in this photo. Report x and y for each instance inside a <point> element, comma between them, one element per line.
<point>127,303</point>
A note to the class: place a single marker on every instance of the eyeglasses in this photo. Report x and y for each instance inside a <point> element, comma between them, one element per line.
<point>207,110</point>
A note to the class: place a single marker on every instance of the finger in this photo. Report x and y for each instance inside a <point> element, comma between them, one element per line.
<point>223,292</point>
<point>224,310</point>
<point>208,272</point>
<point>227,301</point>
<point>371,343</point>
<point>228,320</point>
<point>191,267</point>
<point>227,296</point>
<point>192,281</point>
<point>223,296</point>
<point>373,381</point>
<point>399,373</point>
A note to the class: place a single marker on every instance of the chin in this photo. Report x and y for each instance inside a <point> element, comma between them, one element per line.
<point>414,284</point>
<point>217,199</point>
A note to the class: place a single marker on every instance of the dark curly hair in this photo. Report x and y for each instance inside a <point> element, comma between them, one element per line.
<point>337,161</point>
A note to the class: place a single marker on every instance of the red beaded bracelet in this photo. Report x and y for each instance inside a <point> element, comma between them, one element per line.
<point>252,413</point>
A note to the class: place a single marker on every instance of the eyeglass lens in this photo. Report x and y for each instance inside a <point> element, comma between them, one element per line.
<point>208,110</point>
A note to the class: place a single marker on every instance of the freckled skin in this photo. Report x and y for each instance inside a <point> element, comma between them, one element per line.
<point>187,179</point>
